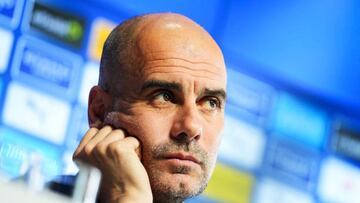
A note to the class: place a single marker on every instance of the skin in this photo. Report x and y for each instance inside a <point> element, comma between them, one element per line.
<point>155,134</point>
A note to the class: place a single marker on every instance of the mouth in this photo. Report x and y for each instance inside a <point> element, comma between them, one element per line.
<point>182,157</point>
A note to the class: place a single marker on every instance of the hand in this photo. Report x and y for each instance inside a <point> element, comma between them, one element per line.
<point>124,178</point>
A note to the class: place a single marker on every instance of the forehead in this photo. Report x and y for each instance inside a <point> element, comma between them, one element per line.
<point>178,67</point>
<point>179,51</point>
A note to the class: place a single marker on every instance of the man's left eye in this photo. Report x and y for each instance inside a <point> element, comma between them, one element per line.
<point>212,103</point>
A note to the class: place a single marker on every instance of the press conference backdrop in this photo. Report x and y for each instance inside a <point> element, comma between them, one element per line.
<point>292,129</point>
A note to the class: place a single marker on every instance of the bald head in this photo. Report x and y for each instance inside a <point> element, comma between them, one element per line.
<point>147,37</point>
<point>165,84</point>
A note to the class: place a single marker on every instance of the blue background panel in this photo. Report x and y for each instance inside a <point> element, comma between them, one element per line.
<point>312,45</point>
<point>17,148</point>
<point>293,71</point>
<point>292,162</point>
<point>10,12</point>
<point>296,119</point>
<point>206,12</point>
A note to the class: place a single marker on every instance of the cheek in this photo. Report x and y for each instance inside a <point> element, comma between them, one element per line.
<point>212,143</point>
<point>212,136</point>
<point>150,129</point>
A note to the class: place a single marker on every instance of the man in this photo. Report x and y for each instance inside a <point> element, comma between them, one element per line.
<point>158,111</point>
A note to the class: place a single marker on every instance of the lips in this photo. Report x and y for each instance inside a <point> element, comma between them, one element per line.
<point>183,157</point>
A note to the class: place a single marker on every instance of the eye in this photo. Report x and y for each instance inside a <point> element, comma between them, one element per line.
<point>163,96</point>
<point>211,103</point>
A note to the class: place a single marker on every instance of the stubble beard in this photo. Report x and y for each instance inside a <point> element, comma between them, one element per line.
<point>163,192</point>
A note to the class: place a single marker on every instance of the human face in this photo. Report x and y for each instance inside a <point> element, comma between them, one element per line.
<point>174,104</point>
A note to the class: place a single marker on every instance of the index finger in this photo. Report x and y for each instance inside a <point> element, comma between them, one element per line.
<point>87,137</point>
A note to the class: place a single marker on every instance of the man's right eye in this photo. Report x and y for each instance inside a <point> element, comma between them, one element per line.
<point>163,97</point>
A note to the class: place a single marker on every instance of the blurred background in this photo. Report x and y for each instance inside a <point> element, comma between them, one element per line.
<point>293,115</point>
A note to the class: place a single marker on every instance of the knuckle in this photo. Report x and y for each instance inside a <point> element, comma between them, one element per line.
<point>88,150</point>
<point>132,139</point>
<point>132,142</point>
<point>117,148</point>
<point>100,148</point>
<point>107,127</point>
<point>92,130</point>
<point>119,132</point>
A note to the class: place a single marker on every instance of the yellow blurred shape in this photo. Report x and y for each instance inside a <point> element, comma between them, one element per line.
<point>100,30</point>
<point>229,185</point>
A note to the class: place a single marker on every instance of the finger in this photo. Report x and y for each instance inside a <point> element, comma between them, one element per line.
<point>132,142</point>
<point>113,136</point>
<point>123,147</point>
<point>124,154</point>
<point>88,135</point>
<point>89,147</point>
<point>138,148</point>
<point>103,132</point>
<point>135,144</point>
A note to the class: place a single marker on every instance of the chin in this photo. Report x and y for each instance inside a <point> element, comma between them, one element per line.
<point>184,182</point>
<point>175,186</point>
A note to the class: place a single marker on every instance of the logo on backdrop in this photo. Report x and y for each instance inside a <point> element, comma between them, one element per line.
<point>55,23</point>
<point>47,67</point>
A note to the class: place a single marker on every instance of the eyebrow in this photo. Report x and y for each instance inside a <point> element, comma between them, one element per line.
<point>214,92</point>
<point>152,84</point>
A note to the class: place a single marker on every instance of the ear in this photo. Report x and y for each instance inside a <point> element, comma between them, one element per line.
<point>99,104</point>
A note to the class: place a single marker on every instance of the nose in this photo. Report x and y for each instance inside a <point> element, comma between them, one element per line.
<point>187,126</point>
